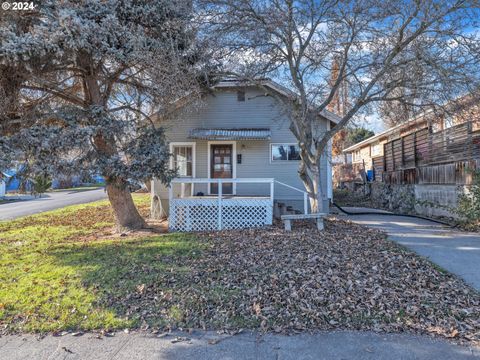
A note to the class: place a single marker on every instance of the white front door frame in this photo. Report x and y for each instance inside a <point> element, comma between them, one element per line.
<point>234,161</point>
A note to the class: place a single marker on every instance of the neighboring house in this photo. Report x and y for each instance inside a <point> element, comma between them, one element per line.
<point>367,155</point>
<point>2,184</point>
<point>12,182</point>
<point>431,155</point>
<point>239,137</point>
<point>342,169</point>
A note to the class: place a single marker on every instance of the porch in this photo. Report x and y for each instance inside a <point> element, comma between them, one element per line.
<point>193,211</point>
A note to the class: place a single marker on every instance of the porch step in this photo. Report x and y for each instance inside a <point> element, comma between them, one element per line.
<point>280,209</point>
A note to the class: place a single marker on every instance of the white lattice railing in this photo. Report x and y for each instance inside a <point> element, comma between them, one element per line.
<point>218,212</point>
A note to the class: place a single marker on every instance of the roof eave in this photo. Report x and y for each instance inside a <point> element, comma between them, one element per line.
<point>386,132</point>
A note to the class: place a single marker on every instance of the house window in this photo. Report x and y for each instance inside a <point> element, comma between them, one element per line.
<point>436,126</point>
<point>182,156</point>
<point>376,150</point>
<point>285,152</point>
<point>356,155</point>
<point>241,95</point>
<point>448,122</point>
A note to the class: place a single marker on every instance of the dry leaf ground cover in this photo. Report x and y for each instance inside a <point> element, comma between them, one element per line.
<point>65,271</point>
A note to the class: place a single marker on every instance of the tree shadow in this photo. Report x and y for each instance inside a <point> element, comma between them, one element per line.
<point>133,278</point>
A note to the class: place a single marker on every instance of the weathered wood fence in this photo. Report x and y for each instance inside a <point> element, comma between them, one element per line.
<point>424,157</point>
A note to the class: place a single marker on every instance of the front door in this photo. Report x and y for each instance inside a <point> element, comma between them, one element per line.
<point>221,166</point>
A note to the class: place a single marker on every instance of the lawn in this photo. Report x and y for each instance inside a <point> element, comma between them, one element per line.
<point>60,270</point>
<point>65,270</point>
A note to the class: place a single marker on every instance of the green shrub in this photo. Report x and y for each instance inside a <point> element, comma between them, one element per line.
<point>469,203</point>
<point>41,183</point>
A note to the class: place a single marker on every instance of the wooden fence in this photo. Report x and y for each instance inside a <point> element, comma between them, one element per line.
<point>423,157</point>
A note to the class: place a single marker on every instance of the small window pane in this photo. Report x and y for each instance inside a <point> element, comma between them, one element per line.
<point>448,122</point>
<point>183,160</point>
<point>241,95</point>
<point>279,152</point>
<point>294,153</point>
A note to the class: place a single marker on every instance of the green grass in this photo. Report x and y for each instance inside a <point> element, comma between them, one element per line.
<point>58,273</point>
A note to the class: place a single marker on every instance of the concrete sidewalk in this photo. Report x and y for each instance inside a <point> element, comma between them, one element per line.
<point>455,251</point>
<point>210,346</point>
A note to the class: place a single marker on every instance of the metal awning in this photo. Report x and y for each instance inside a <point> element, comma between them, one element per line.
<point>230,134</point>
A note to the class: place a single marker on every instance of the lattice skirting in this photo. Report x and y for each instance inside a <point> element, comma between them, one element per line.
<point>204,214</point>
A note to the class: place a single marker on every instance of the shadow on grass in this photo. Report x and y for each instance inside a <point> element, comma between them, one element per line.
<point>129,277</point>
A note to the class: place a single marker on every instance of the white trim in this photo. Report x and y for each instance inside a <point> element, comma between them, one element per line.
<point>194,161</point>
<point>329,168</point>
<point>281,161</point>
<point>234,161</point>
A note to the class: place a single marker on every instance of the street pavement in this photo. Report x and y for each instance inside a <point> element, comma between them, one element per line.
<point>49,201</point>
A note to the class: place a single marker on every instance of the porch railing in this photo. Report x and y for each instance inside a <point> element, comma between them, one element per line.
<point>305,195</point>
<point>219,211</point>
<point>223,211</point>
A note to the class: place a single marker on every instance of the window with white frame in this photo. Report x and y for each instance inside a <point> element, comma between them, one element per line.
<point>356,155</point>
<point>448,122</point>
<point>376,150</point>
<point>284,152</point>
<point>182,159</point>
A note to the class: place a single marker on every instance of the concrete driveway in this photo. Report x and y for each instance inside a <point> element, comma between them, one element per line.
<point>49,201</point>
<point>202,345</point>
<point>455,251</point>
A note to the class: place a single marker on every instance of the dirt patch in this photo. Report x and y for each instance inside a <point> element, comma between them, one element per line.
<point>154,227</point>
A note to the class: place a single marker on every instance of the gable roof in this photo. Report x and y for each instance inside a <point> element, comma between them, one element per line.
<point>239,83</point>
<point>274,86</point>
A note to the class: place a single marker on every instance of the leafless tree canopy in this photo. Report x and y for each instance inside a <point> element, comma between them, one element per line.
<point>416,53</point>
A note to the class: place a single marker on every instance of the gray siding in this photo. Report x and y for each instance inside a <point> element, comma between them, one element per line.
<point>223,110</point>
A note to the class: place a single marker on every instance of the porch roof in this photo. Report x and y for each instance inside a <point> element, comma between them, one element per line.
<point>231,134</point>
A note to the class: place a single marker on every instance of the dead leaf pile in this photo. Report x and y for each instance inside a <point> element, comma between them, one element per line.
<point>346,277</point>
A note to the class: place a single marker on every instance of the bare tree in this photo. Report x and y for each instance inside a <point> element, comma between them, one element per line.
<point>427,48</point>
<point>84,78</point>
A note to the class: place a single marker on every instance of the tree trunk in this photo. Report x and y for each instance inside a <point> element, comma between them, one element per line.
<point>311,178</point>
<point>316,200</point>
<point>127,216</point>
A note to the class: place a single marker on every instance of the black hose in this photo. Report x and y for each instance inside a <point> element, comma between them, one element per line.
<point>391,214</point>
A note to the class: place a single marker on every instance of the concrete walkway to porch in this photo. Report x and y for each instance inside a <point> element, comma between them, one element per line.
<point>456,251</point>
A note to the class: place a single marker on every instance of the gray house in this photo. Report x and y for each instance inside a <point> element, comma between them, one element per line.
<point>236,160</point>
